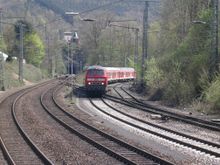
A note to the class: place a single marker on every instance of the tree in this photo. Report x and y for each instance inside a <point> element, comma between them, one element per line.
<point>2,45</point>
<point>184,49</point>
<point>33,46</point>
<point>34,49</point>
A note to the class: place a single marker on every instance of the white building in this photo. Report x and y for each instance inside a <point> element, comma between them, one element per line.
<point>5,56</point>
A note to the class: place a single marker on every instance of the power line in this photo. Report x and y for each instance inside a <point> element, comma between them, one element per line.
<point>144,42</point>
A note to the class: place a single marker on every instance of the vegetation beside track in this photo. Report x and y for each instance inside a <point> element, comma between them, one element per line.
<point>31,75</point>
<point>183,71</point>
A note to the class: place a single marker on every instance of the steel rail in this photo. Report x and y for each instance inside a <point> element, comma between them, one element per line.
<point>82,136</point>
<point>6,153</point>
<point>28,140</point>
<point>112,138</point>
<point>216,145</point>
<point>188,117</point>
<point>159,111</point>
<point>164,128</point>
<point>4,148</point>
<point>156,133</point>
<point>117,92</point>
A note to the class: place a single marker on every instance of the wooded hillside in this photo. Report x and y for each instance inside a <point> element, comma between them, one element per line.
<point>180,55</point>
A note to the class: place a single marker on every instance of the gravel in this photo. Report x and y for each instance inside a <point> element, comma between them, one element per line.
<point>2,159</point>
<point>173,152</point>
<point>57,143</point>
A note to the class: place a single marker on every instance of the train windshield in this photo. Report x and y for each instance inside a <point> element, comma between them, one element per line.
<point>95,72</point>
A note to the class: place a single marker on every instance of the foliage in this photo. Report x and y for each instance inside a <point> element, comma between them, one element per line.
<point>58,62</point>
<point>27,27</point>
<point>33,45</point>
<point>153,75</point>
<point>176,89</point>
<point>34,49</point>
<point>61,6</point>
<point>178,54</point>
<point>179,69</point>
<point>10,79</point>
<point>60,67</point>
<point>31,74</point>
<point>2,45</point>
<point>154,38</point>
<point>212,93</point>
<point>109,45</point>
<point>11,45</point>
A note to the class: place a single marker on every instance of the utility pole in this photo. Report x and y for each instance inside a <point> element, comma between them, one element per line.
<point>2,77</point>
<point>50,65</point>
<point>21,57</point>
<point>215,57</point>
<point>214,60</point>
<point>2,82</point>
<point>136,49</point>
<point>68,37</point>
<point>125,56</point>
<point>1,30</point>
<point>49,57</point>
<point>68,59</point>
<point>144,42</point>
<point>110,47</point>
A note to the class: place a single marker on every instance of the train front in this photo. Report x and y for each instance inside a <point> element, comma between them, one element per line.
<point>95,80</point>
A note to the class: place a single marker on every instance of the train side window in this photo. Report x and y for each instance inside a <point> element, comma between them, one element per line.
<point>118,74</point>
<point>108,74</point>
<point>114,74</point>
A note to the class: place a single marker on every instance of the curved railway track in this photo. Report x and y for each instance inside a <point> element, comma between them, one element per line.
<point>3,155</point>
<point>17,146</point>
<point>135,103</point>
<point>111,145</point>
<point>202,145</point>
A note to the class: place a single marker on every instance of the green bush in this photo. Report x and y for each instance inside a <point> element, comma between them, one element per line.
<point>11,75</point>
<point>179,73</point>
<point>32,73</point>
<point>154,74</point>
<point>176,89</point>
<point>212,93</point>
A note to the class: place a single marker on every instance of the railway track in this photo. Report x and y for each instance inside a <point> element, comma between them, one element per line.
<point>17,146</point>
<point>2,157</point>
<point>113,146</point>
<point>201,145</point>
<point>135,103</point>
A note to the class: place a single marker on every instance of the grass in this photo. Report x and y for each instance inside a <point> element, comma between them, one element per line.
<point>80,78</point>
<point>31,74</point>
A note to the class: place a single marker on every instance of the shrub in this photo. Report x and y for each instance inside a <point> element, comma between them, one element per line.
<point>212,93</point>
<point>176,89</point>
<point>31,74</point>
<point>154,74</point>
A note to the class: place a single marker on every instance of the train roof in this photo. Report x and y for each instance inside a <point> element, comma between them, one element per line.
<point>119,68</point>
<point>110,68</point>
<point>95,67</point>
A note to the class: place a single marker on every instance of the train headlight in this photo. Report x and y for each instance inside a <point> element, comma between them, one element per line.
<point>89,83</point>
<point>103,83</point>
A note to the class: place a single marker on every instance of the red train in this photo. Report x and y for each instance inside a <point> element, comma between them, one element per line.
<point>97,77</point>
